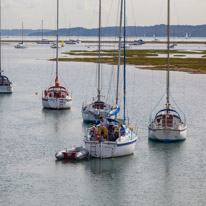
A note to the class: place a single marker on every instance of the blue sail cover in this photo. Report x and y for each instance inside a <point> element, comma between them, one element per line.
<point>123,129</point>
<point>115,112</point>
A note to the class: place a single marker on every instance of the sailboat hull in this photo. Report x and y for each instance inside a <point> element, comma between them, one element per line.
<point>167,135</point>
<point>92,112</point>
<point>20,46</point>
<point>6,89</point>
<point>123,146</point>
<point>57,103</point>
<point>93,117</point>
<point>110,149</point>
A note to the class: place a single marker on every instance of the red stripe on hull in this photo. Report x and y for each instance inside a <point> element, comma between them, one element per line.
<point>70,156</point>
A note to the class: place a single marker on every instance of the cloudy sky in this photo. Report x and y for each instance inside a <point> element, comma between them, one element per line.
<point>84,13</point>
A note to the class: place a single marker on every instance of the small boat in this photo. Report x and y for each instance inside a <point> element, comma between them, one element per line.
<point>5,84</point>
<point>56,97</point>
<point>112,137</point>
<point>138,42</point>
<point>43,41</point>
<point>115,141</point>
<point>54,46</point>
<point>167,125</point>
<point>75,153</point>
<point>155,38</point>
<point>92,112</point>
<point>21,44</point>
<point>72,41</point>
<point>172,46</point>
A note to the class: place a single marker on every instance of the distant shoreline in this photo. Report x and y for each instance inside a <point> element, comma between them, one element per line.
<point>105,42</point>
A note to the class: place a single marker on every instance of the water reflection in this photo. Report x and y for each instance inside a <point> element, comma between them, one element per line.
<point>165,167</point>
<point>56,118</point>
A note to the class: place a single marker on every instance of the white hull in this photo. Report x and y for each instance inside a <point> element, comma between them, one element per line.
<point>57,103</point>
<point>93,117</point>
<point>92,113</point>
<point>123,146</point>
<point>20,46</point>
<point>167,135</point>
<point>6,89</point>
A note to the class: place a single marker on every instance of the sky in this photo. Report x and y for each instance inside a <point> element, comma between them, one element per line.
<point>84,13</point>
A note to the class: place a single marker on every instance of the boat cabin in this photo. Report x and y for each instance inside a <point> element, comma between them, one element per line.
<point>99,105</point>
<point>56,92</point>
<point>167,120</point>
<point>4,81</point>
<point>101,134</point>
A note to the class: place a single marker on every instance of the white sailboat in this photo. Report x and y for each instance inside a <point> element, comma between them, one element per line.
<point>117,139</point>
<point>5,84</point>
<point>167,125</point>
<point>43,41</point>
<point>57,97</point>
<point>21,45</point>
<point>98,108</point>
<point>54,45</point>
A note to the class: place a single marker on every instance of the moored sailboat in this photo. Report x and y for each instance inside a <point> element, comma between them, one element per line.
<point>57,97</point>
<point>92,112</point>
<point>21,45</point>
<point>5,84</point>
<point>43,41</point>
<point>167,125</point>
<point>111,138</point>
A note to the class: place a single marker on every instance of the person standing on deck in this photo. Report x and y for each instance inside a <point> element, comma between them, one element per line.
<point>104,122</point>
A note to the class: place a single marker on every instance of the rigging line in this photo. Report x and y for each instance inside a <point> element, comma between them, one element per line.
<point>134,75</point>
<point>110,83</point>
<point>117,21</point>
<point>63,81</point>
<point>178,107</point>
<point>94,11</point>
<point>135,24</point>
<point>161,11</point>
<point>177,14</point>
<point>158,103</point>
<point>53,77</point>
<point>133,13</point>
<point>64,15</point>
<point>109,13</point>
<point>106,25</point>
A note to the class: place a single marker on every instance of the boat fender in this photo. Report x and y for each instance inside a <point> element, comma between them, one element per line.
<point>50,95</point>
<point>104,129</point>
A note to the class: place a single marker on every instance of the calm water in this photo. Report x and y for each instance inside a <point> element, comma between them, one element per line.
<point>157,174</point>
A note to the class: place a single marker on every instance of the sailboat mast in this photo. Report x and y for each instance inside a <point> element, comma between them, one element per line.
<point>0,39</point>
<point>124,60</point>
<point>22,32</point>
<point>168,55</point>
<point>119,53</point>
<point>57,39</point>
<point>42,29</point>
<point>99,69</point>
